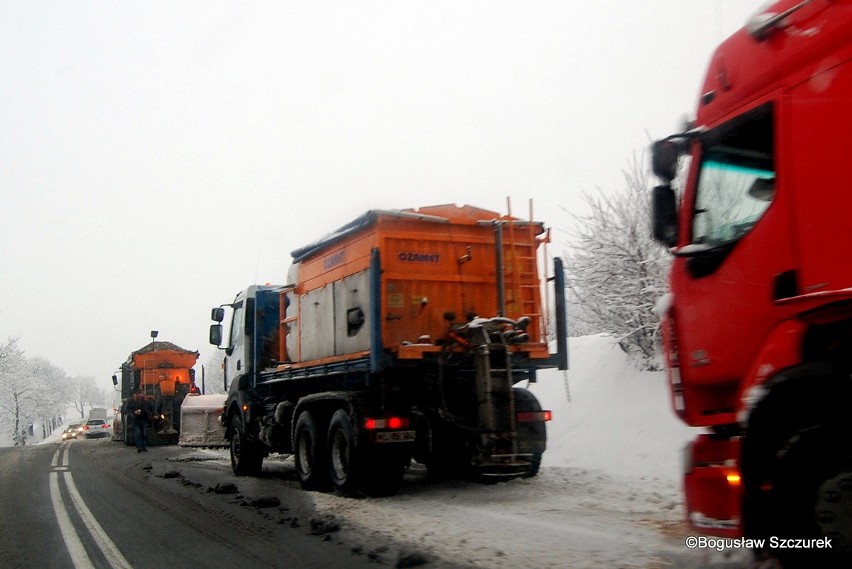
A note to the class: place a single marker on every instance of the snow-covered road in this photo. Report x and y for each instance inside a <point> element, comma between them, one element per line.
<point>565,517</point>
<point>608,494</point>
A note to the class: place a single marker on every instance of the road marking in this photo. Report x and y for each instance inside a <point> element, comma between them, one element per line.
<point>106,545</point>
<point>72,540</point>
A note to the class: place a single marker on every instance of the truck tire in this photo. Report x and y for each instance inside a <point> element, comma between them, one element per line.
<point>532,435</point>
<point>246,455</point>
<point>342,466</point>
<point>357,471</point>
<point>309,453</point>
<point>795,445</point>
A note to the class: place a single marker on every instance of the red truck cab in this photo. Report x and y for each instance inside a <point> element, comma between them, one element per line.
<point>758,328</point>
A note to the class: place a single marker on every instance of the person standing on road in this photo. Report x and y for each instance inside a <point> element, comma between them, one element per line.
<point>140,410</point>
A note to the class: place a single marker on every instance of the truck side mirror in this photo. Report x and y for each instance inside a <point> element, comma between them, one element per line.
<point>217,314</point>
<point>665,155</point>
<point>114,380</point>
<point>664,215</point>
<point>216,334</point>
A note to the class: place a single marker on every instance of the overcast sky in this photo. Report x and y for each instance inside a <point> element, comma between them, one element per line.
<point>157,157</point>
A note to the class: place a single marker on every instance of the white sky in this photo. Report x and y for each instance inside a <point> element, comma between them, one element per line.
<point>157,157</point>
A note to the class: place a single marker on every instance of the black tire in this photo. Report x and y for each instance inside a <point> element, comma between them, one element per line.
<point>795,442</point>
<point>246,454</point>
<point>340,444</point>
<point>532,437</point>
<point>309,453</point>
<point>534,467</point>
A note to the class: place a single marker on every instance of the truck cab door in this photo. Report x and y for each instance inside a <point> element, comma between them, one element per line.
<point>734,254</point>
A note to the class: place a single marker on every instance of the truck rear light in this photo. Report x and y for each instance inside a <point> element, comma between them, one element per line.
<point>534,416</point>
<point>388,423</point>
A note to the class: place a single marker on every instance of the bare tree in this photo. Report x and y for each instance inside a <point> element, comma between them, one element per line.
<point>18,395</point>
<point>616,272</point>
<point>52,392</point>
<point>84,393</point>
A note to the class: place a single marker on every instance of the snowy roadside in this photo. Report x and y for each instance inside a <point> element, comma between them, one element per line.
<point>564,517</point>
<point>608,494</point>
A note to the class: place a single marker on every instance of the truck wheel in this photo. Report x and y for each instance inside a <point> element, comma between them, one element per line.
<point>532,437</point>
<point>309,449</point>
<point>534,467</point>
<point>246,456</point>
<point>341,453</point>
<point>794,452</point>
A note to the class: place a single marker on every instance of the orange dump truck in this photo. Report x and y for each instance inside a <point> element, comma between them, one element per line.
<point>401,335</point>
<point>165,374</point>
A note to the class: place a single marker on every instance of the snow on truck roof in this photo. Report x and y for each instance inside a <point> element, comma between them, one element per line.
<point>161,347</point>
<point>449,213</point>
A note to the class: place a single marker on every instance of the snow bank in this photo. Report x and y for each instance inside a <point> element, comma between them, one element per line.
<point>608,416</point>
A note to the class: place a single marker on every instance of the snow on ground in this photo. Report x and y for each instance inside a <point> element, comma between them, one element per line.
<point>608,494</point>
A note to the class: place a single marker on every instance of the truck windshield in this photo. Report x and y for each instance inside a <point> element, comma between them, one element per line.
<point>736,184</point>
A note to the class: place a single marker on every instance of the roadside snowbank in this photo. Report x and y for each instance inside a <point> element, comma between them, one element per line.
<point>609,416</point>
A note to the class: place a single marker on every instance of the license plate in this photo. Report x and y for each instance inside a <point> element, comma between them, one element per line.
<point>394,436</point>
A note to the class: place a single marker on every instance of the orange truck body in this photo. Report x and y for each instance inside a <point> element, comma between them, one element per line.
<point>404,334</point>
<point>438,264</point>
<point>164,372</point>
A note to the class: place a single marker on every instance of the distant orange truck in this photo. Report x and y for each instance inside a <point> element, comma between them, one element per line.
<point>165,374</point>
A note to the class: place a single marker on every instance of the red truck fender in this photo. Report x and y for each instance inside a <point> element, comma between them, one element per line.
<point>782,349</point>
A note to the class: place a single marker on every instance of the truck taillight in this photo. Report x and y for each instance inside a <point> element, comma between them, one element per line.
<point>388,423</point>
<point>534,416</point>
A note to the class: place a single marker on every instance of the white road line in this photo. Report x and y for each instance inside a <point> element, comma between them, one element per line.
<point>110,551</point>
<point>75,547</point>
<point>79,557</point>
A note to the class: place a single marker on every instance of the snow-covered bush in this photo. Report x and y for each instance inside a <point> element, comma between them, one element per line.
<point>616,271</point>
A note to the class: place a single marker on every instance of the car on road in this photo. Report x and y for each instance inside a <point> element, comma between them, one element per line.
<point>95,428</point>
<point>72,431</point>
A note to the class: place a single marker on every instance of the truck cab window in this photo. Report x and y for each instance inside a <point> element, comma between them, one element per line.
<point>237,323</point>
<point>736,183</point>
